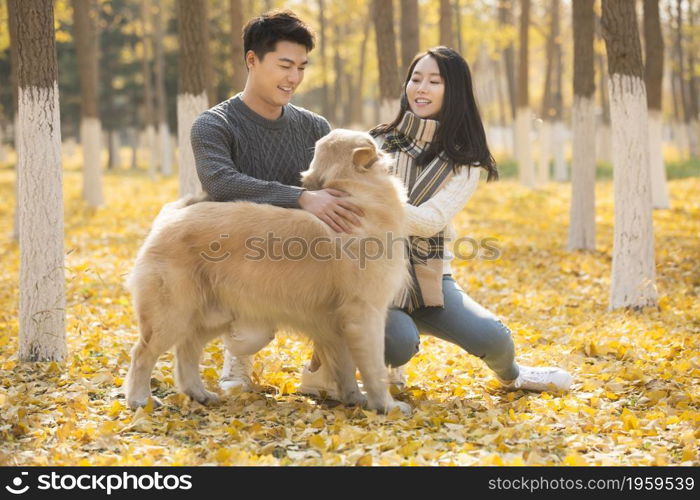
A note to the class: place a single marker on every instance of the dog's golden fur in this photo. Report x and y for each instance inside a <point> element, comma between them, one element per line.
<point>187,290</point>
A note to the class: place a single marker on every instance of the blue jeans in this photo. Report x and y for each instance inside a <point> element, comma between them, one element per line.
<point>462,321</point>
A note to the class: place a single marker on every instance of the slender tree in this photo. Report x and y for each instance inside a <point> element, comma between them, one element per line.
<point>505,19</point>
<point>41,295</point>
<point>165,149</point>
<point>240,74</point>
<point>558,128</point>
<point>326,104</point>
<point>410,33</point>
<point>14,69</point>
<point>86,44</point>
<point>604,139</point>
<point>633,269</point>
<point>653,77</point>
<point>582,214</point>
<point>357,118</point>
<point>389,86</point>
<point>547,111</point>
<point>447,37</point>
<point>688,113</point>
<point>523,117</point>
<point>149,116</point>
<point>192,86</point>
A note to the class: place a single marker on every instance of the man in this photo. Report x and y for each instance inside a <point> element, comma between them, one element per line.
<point>254,146</point>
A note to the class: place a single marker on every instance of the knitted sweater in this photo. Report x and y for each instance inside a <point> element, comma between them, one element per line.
<point>435,214</point>
<point>242,156</point>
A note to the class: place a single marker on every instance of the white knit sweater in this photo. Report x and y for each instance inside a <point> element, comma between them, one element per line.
<point>435,214</point>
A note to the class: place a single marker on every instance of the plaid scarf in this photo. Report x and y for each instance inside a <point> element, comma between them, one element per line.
<point>409,139</point>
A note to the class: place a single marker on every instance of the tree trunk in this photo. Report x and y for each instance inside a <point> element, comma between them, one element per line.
<point>389,83</point>
<point>14,69</point>
<point>86,43</point>
<point>523,119</point>
<point>604,142</point>
<point>240,73</point>
<point>505,18</point>
<point>582,213</point>
<point>653,78</point>
<point>547,111</point>
<point>410,33</point>
<point>684,87</point>
<point>692,82</point>
<point>338,82</point>
<point>192,86</point>
<point>446,30</point>
<point>458,25</point>
<point>166,153</point>
<point>358,118</point>
<point>558,129</point>
<point>149,118</point>
<point>633,269</point>
<point>41,296</point>
<point>326,105</point>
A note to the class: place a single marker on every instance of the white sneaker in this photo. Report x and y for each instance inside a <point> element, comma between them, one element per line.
<point>318,384</point>
<point>539,379</point>
<point>237,372</point>
<point>397,376</point>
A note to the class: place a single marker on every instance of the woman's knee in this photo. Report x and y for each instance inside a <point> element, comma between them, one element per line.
<point>401,339</point>
<point>497,338</point>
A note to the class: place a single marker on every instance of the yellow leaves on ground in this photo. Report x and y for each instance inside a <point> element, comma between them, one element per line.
<point>636,398</point>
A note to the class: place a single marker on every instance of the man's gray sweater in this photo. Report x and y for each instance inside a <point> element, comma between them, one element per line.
<point>242,156</point>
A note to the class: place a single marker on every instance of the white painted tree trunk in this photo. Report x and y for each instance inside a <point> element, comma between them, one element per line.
<point>633,268</point>
<point>692,131</point>
<point>558,147</point>
<point>15,224</point>
<point>3,150</point>
<point>151,151</point>
<point>545,152</point>
<point>526,168</point>
<point>659,186</point>
<point>189,107</point>
<point>680,138</point>
<point>604,143</point>
<point>166,152</point>
<point>582,214</point>
<point>42,283</point>
<point>388,108</point>
<point>90,138</point>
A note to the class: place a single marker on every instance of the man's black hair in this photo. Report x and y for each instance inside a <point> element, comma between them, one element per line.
<point>262,33</point>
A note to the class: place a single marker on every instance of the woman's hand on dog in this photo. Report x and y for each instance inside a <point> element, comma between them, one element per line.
<point>329,206</point>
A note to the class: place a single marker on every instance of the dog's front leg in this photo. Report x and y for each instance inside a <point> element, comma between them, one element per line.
<point>364,334</point>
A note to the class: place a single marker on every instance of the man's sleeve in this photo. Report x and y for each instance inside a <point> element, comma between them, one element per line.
<point>221,179</point>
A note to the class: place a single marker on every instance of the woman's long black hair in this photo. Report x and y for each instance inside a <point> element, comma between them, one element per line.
<point>461,135</point>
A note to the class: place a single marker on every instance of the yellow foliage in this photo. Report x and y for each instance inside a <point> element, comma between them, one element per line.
<point>636,398</point>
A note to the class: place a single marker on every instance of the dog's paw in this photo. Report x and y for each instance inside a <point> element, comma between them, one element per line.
<point>203,397</point>
<point>404,407</point>
<point>355,398</point>
<point>236,385</point>
<point>135,403</point>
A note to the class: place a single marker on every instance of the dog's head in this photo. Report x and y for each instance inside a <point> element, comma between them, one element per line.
<point>343,154</point>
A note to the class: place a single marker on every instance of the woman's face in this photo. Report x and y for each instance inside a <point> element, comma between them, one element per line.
<point>426,89</point>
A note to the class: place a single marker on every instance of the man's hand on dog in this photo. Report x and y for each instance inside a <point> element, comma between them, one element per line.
<point>329,206</point>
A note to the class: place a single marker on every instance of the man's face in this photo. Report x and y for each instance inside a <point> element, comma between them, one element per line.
<point>276,77</point>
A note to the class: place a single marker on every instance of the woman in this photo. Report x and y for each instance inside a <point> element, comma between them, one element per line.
<point>439,145</point>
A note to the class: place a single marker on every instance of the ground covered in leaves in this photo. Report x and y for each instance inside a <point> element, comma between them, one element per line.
<point>636,398</point>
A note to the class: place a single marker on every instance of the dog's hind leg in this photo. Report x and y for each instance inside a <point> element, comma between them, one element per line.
<point>144,355</point>
<point>363,330</point>
<point>187,378</point>
<point>338,362</point>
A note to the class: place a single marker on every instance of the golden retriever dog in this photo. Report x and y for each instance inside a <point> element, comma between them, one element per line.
<point>207,269</point>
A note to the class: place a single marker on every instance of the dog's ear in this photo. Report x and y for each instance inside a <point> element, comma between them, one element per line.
<point>364,157</point>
